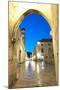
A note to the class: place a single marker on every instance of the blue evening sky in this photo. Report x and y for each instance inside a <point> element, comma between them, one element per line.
<point>36,28</point>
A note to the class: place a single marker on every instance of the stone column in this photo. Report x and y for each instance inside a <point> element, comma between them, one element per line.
<point>11,63</point>
<point>54,10</point>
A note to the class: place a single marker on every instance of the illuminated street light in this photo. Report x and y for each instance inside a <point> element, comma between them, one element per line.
<point>38,55</point>
<point>38,43</point>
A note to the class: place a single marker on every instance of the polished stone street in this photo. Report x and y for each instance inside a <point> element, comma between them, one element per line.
<point>35,74</point>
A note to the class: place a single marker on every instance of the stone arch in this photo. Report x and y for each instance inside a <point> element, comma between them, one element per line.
<point>12,73</point>
<point>20,19</point>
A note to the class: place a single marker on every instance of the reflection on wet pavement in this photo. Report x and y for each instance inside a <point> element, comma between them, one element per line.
<point>32,73</point>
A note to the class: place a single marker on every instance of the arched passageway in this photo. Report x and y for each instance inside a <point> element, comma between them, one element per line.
<point>36,28</point>
<point>30,70</point>
<point>19,46</point>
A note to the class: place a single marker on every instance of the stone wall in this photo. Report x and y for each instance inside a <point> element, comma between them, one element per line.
<point>15,44</point>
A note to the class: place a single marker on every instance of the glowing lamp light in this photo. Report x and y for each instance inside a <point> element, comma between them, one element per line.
<point>38,55</point>
<point>38,43</point>
<point>42,57</point>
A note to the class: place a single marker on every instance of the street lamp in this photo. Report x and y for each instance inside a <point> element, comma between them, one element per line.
<point>38,43</point>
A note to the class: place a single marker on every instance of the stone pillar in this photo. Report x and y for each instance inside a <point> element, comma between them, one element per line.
<point>11,63</point>
<point>54,10</point>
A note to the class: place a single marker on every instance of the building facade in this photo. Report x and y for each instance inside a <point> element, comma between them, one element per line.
<point>16,53</point>
<point>44,51</point>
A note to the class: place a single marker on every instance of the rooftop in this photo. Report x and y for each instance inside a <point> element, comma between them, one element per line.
<point>46,40</point>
